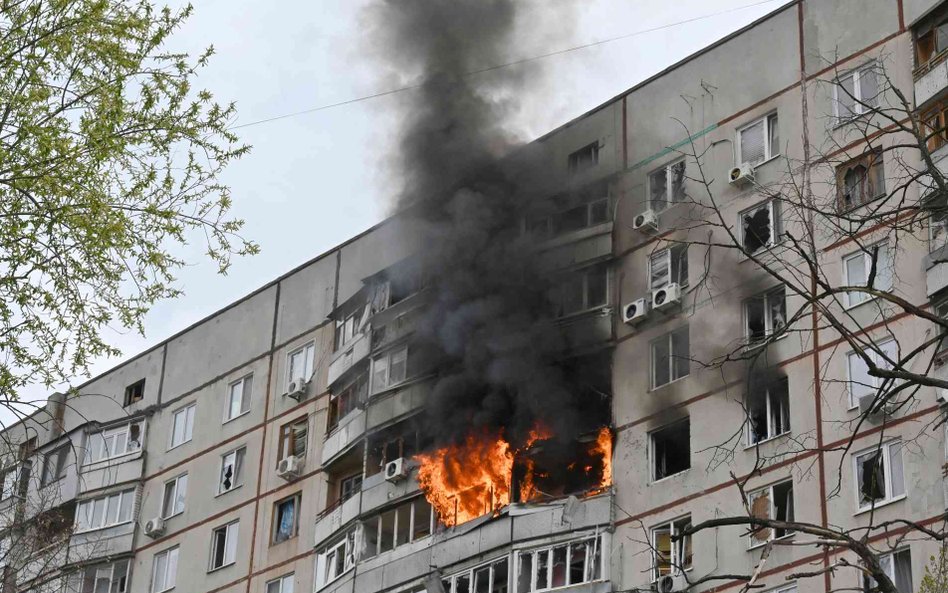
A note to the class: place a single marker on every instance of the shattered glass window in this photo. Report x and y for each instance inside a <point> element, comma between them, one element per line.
<point>758,227</point>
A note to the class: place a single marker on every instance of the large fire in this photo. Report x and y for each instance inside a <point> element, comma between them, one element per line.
<point>475,478</point>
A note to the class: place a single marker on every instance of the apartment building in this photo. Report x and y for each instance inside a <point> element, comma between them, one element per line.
<point>272,446</point>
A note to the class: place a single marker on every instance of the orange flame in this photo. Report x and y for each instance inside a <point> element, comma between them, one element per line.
<point>602,448</point>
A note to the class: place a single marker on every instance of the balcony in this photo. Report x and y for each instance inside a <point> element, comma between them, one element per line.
<point>350,429</point>
<point>347,357</point>
<point>377,491</point>
<point>337,516</point>
<point>400,401</point>
<point>931,79</point>
<point>102,543</point>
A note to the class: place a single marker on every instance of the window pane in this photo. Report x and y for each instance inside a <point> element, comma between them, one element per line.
<point>482,580</point>
<point>500,576</point>
<point>663,555</point>
<point>657,189</point>
<point>172,572</point>
<point>404,524</point>
<point>868,88</point>
<point>883,279</point>
<point>760,504</point>
<point>845,97</point>
<point>558,578</point>
<point>756,228</point>
<point>860,383</point>
<point>754,317</point>
<point>125,511</point>
<point>752,144</point>
<point>777,309</point>
<point>774,132</point>
<point>398,366</point>
<point>658,268</point>
<point>596,287</point>
<point>180,493</point>
<point>681,353</point>
<point>871,478</point>
<point>895,469</point>
<point>525,572</point>
<point>661,357</point>
<point>577,563</point>
<point>542,569</point>
<point>678,181</point>
<point>161,567</point>
<point>903,571</point>
<point>856,273</point>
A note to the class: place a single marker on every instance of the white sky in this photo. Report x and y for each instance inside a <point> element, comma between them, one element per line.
<point>315,180</point>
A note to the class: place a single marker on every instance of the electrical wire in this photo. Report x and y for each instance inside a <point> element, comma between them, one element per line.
<point>504,65</point>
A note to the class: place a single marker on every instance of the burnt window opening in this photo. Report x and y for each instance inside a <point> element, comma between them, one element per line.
<point>668,265</point>
<point>584,158</point>
<point>571,212</point>
<point>671,449</point>
<point>349,399</point>
<point>134,392</point>
<point>775,503</point>
<point>400,441</point>
<point>768,411</point>
<point>860,181</point>
<point>759,227</point>
<point>765,315</point>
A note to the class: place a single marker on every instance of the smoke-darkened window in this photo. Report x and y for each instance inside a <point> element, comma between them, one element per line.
<point>582,290</point>
<point>765,315</point>
<point>666,186</point>
<point>584,158</point>
<point>768,410</point>
<point>671,357</point>
<point>670,448</point>
<point>668,265</point>
<point>760,226</point>
<point>773,502</point>
<point>671,556</point>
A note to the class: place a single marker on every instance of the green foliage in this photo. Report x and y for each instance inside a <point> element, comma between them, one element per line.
<point>109,165</point>
<point>936,574</point>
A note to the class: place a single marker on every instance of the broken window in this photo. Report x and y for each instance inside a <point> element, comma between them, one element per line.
<point>668,265</point>
<point>775,503</point>
<point>407,522</point>
<point>584,158</point>
<point>860,181</point>
<point>671,556</point>
<point>879,477</point>
<point>9,479</point>
<point>760,227</point>
<point>224,545</point>
<point>348,399</point>
<point>898,567</point>
<point>286,519</point>
<point>182,426</point>
<point>293,437</point>
<point>765,315</point>
<point>165,570</point>
<point>759,141</point>
<point>389,369</point>
<point>583,290</point>
<point>562,565</point>
<point>172,502</point>
<point>861,383</point>
<point>931,41</point>
<point>105,578</point>
<point>666,186</point>
<point>670,448</point>
<point>335,559</point>
<point>105,511</point>
<point>856,92</point>
<point>768,411</point>
<point>670,357</point>
<point>874,260</point>
<point>283,584</point>
<point>54,464</point>
<point>238,398</point>
<point>232,470</point>
<point>299,365</point>
<point>134,392</point>
<point>113,442</point>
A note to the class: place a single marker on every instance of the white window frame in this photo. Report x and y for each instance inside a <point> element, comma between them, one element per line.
<point>667,200</point>
<point>106,572</point>
<point>670,254</point>
<point>240,453</point>
<point>595,542</point>
<point>676,547</point>
<point>385,360</point>
<point>768,140</point>
<point>179,491</point>
<point>174,439</point>
<point>111,515</point>
<point>653,454</point>
<point>771,512</point>
<point>854,299</point>
<point>170,575</point>
<point>887,561</point>
<point>325,564</point>
<point>890,497</point>
<point>773,210</point>
<point>379,524</point>
<point>860,107</point>
<point>767,297</point>
<point>112,433</point>
<point>308,353</point>
<point>451,580</point>
<point>231,533</point>
<point>56,453</point>
<point>297,502</point>
<point>672,357</point>
<point>769,405</point>
<point>876,356</point>
<point>242,390</point>
<point>280,583</point>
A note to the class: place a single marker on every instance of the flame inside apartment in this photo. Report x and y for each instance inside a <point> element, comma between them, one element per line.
<point>485,473</point>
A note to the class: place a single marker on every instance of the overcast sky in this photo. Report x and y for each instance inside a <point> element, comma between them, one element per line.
<point>314,180</point>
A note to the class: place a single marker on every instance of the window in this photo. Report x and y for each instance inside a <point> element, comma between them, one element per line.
<point>347,328</point>
<point>879,476</point>
<point>760,141</point>
<point>860,181</point>
<point>172,501</point>
<point>668,265</point>
<point>293,438</point>
<point>768,411</point>
<point>856,92</point>
<point>9,479</point>
<point>134,392</point>
<point>114,442</point>
<point>773,502</point>
<point>286,520</point>
<point>224,545</point>
<point>347,400</point>
<point>765,315</point>
<point>858,267</point>
<point>165,570</point>
<point>238,398</point>
<point>935,121</point>
<point>670,449</point>
<point>105,511</point>
<point>182,426</point>
<point>670,357</point>
<point>232,474</point>
<point>581,291</point>
<point>486,578</point>
<point>562,565</point>
<point>931,42</point>
<point>579,217</point>
<point>584,158</point>
<point>671,556</point>
<point>666,186</point>
<point>861,383</point>
<point>283,584</point>
<point>759,227</point>
<point>54,464</point>
<point>408,522</point>
<point>389,369</point>
<point>300,363</point>
<point>898,567</point>
<point>105,578</point>
<point>335,559</point>
<point>348,487</point>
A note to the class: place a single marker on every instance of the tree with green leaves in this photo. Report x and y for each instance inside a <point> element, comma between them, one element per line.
<point>110,164</point>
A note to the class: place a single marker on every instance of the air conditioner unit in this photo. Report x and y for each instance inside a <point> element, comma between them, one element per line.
<point>155,527</point>
<point>646,222</point>
<point>671,584</point>
<point>635,311</point>
<point>666,296</point>
<point>396,470</point>
<point>289,467</point>
<point>741,175</point>
<point>872,411</point>
<point>941,396</point>
<point>296,389</point>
